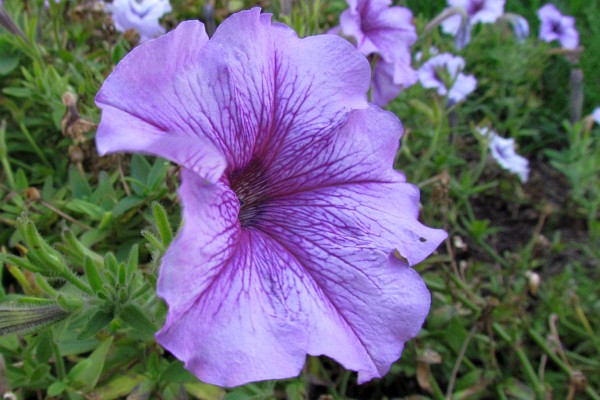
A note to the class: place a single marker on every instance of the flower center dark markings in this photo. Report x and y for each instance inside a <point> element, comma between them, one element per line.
<point>137,12</point>
<point>475,6</point>
<point>249,185</point>
<point>557,27</point>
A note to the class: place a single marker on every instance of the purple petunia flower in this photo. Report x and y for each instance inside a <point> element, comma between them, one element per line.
<point>388,32</point>
<point>141,15</point>
<point>379,28</point>
<point>503,151</point>
<point>556,26</point>
<point>389,79</point>
<point>298,235</point>
<point>484,11</point>
<point>443,72</point>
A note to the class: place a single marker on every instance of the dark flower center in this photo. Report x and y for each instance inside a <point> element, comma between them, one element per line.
<point>557,27</point>
<point>475,6</point>
<point>249,184</point>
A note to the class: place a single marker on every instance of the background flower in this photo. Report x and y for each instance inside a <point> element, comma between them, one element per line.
<point>292,211</point>
<point>379,28</point>
<point>484,11</point>
<point>389,79</point>
<point>387,32</point>
<point>556,26</point>
<point>596,115</point>
<point>503,151</point>
<point>141,15</point>
<point>443,72</point>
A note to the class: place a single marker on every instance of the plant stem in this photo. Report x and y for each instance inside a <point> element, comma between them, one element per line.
<point>60,363</point>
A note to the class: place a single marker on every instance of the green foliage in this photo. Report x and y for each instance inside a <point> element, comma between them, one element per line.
<point>515,289</point>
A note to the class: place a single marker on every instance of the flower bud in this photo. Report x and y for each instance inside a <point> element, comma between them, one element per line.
<point>22,319</point>
<point>534,280</point>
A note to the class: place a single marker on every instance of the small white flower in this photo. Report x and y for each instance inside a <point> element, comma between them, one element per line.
<point>141,15</point>
<point>503,151</point>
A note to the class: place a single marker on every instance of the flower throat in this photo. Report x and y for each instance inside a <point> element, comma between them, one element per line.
<point>249,185</point>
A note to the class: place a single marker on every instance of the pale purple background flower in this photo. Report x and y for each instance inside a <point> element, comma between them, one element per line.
<point>520,26</point>
<point>379,28</point>
<point>292,211</point>
<point>503,151</point>
<point>389,79</point>
<point>596,115</point>
<point>443,73</point>
<point>141,15</point>
<point>485,11</point>
<point>556,26</point>
<point>388,32</point>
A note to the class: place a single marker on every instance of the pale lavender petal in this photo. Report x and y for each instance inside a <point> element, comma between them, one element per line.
<point>162,124</point>
<point>503,151</point>
<point>596,115</point>
<point>520,26</point>
<point>298,235</point>
<point>463,86</point>
<point>206,127</point>
<point>459,3</point>
<point>384,89</point>
<point>389,79</point>
<point>555,26</point>
<point>378,28</point>
<point>141,15</point>
<point>315,273</point>
<point>456,85</point>
<point>484,11</point>
<point>451,25</point>
<point>260,308</point>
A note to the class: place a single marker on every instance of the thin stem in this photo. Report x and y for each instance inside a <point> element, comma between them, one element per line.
<point>34,144</point>
<point>461,355</point>
<point>60,363</point>
<point>529,371</point>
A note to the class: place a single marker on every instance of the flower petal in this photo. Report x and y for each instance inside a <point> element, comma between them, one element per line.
<point>144,109</point>
<point>316,273</point>
<point>263,306</point>
<point>222,103</point>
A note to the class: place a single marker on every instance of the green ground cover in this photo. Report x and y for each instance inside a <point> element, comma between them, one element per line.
<point>515,287</point>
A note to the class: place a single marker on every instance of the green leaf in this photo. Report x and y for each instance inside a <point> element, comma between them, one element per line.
<point>56,388</point>
<point>162,224</point>
<point>158,173</point>
<point>86,373</point>
<point>204,391</point>
<point>176,373</point>
<point>17,92</point>
<point>43,350</point>
<point>39,374</point>
<point>132,261</point>
<point>87,208</point>
<point>98,321</point>
<point>70,302</point>
<point>9,58</point>
<point>93,275</point>
<point>78,184</point>
<point>119,387</point>
<point>137,319</point>
<point>126,204</point>
<point>140,168</point>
